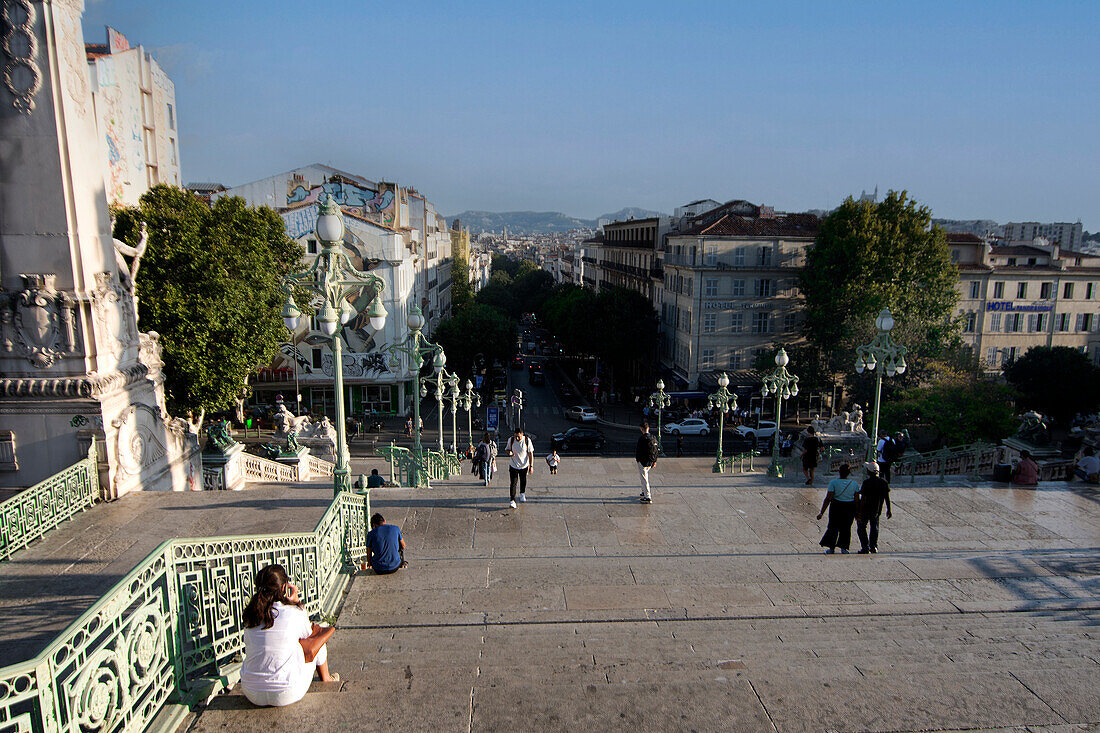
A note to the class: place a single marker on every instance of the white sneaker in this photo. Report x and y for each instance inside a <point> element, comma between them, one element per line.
<point>512,504</point>
<point>523,497</point>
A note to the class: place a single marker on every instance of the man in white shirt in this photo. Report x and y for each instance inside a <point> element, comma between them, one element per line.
<point>1088,467</point>
<point>520,464</point>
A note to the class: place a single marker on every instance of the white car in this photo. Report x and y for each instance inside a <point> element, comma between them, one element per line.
<point>579,412</point>
<point>765,431</point>
<point>691,426</point>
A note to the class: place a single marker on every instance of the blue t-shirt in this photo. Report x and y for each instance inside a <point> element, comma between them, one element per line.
<point>384,542</point>
<point>374,481</point>
<point>844,489</point>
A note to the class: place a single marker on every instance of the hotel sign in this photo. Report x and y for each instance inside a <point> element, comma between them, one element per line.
<point>725,305</point>
<point>1002,305</point>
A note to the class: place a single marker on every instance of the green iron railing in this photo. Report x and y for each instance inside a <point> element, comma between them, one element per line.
<point>35,511</point>
<point>169,633</point>
<point>739,462</point>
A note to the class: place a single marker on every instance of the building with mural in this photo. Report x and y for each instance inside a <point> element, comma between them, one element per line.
<point>136,118</point>
<point>1016,296</point>
<point>391,231</point>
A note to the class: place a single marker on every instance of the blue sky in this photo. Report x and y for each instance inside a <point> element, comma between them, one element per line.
<point>978,109</point>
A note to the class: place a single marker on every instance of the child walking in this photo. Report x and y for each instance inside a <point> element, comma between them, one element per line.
<point>552,460</point>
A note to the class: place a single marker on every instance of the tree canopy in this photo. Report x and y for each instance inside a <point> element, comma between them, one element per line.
<point>869,256</point>
<point>209,285</point>
<point>1058,381</point>
<point>476,329</point>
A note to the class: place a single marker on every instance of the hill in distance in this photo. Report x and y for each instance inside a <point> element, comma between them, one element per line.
<point>538,222</point>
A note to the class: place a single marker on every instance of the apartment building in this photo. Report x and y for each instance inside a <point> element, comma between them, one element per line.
<point>136,117</point>
<point>1017,296</point>
<point>1064,234</point>
<point>730,289</point>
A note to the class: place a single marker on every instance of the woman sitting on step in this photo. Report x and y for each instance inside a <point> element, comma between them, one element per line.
<point>282,648</point>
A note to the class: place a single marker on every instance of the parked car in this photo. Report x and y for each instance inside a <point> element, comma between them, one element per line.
<point>691,426</point>
<point>574,438</point>
<point>579,412</point>
<point>765,431</point>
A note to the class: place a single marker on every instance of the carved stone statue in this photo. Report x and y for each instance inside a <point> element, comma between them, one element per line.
<point>843,423</point>
<point>292,444</point>
<point>238,405</point>
<point>220,439</point>
<point>286,423</point>
<point>127,272</point>
<point>1033,429</point>
<point>856,419</point>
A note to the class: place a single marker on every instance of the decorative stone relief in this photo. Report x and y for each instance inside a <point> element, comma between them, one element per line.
<point>136,445</point>
<point>42,319</point>
<point>21,74</point>
<point>114,312</point>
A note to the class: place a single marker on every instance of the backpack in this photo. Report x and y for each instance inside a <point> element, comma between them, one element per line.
<point>651,449</point>
<point>481,453</point>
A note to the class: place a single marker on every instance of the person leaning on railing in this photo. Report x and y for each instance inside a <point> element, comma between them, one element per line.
<point>282,647</point>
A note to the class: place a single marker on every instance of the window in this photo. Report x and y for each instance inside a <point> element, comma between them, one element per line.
<point>1067,291</point>
<point>171,118</point>
<point>737,322</point>
<point>706,359</point>
<point>994,322</point>
<point>1014,322</point>
<point>1061,322</point>
<point>763,288</point>
<point>761,323</point>
<point>316,358</point>
<point>970,322</point>
<point>711,259</point>
<point>738,287</point>
<point>311,246</point>
<point>998,290</point>
<point>1036,322</point>
<point>1008,354</point>
<point>764,257</point>
<point>685,321</point>
<point>975,289</point>
<point>1021,290</point>
<point>739,257</point>
<point>1046,291</point>
<point>690,285</point>
<point>710,287</point>
<point>1089,288</point>
<point>1084,321</point>
<point>172,150</point>
<point>991,356</point>
<point>710,322</point>
<point>735,359</point>
<point>1011,261</point>
<point>788,322</point>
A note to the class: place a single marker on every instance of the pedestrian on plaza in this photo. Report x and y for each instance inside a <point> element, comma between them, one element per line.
<point>385,547</point>
<point>409,426</point>
<point>872,495</point>
<point>679,446</point>
<point>282,649</point>
<point>811,448</point>
<point>485,458</point>
<point>883,449</point>
<point>552,460</point>
<point>375,481</point>
<point>519,465</point>
<point>646,455</point>
<point>1087,467</point>
<point>841,501</point>
<point>1027,470</point>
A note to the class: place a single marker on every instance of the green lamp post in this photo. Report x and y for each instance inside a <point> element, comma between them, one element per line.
<point>892,356</point>
<point>659,400</point>
<point>333,279</point>
<point>722,400</point>
<point>783,385</point>
<point>467,400</point>
<point>418,349</point>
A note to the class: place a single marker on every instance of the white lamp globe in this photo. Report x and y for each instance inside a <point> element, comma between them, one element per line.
<point>330,224</point>
<point>723,380</point>
<point>415,321</point>
<point>885,320</point>
<point>781,358</point>
<point>660,385</point>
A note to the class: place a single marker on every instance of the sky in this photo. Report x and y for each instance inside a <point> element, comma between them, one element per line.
<point>980,110</point>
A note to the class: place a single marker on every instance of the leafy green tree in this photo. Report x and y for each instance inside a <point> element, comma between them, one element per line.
<point>500,297</point>
<point>532,289</point>
<point>476,329</point>
<point>1058,381</point>
<point>209,285</point>
<point>462,295</point>
<point>869,256</point>
<point>957,412</point>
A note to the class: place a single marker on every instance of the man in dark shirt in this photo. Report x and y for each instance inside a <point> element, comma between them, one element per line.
<point>385,547</point>
<point>645,453</point>
<point>375,481</point>
<point>811,447</point>
<point>873,494</point>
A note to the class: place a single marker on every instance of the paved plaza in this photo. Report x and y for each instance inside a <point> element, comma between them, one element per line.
<point>711,609</point>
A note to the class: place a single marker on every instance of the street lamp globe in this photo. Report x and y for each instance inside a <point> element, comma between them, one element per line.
<point>885,320</point>
<point>291,314</point>
<point>330,225</point>
<point>660,384</point>
<point>901,365</point>
<point>781,359</point>
<point>347,312</point>
<point>415,321</point>
<point>723,380</point>
<point>439,361</point>
<point>377,313</point>
<point>327,317</point>
<point>469,385</point>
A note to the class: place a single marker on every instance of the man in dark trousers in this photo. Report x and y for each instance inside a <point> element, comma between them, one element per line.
<point>679,446</point>
<point>646,456</point>
<point>872,495</point>
<point>385,547</point>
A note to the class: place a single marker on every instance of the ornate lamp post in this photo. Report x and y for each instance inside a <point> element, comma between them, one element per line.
<point>419,350</point>
<point>892,355</point>
<point>723,400</point>
<point>443,381</point>
<point>467,400</point>
<point>659,400</point>
<point>783,385</point>
<point>333,278</point>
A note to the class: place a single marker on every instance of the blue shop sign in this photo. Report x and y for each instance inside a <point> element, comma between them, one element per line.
<point>1001,305</point>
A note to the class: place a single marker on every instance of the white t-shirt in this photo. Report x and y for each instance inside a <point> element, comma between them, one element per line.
<point>553,460</point>
<point>880,450</point>
<point>273,659</point>
<point>522,452</point>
